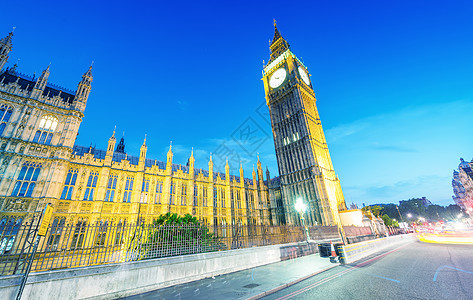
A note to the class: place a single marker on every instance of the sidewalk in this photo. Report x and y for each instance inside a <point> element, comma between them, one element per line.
<point>248,284</point>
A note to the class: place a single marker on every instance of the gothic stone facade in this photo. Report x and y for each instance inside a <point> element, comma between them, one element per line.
<point>304,162</point>
<point>40,164</point>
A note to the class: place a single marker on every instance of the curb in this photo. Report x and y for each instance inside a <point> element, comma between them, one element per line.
<point>276,289</point>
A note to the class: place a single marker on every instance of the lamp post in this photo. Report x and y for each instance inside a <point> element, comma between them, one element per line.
<point>300,208</point>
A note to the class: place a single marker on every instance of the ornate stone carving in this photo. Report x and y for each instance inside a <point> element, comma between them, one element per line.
<point>16,205</point>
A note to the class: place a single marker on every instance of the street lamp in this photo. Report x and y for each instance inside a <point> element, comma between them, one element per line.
<point>300,208</point>
<point>409,215</point>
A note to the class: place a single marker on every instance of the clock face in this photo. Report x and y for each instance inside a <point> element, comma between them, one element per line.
<point>277,78</point>
<point>304,76</point>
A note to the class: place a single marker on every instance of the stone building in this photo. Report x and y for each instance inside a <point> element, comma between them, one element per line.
<point>40,163</point>
<point>304,162</point>
<point>462,184</point>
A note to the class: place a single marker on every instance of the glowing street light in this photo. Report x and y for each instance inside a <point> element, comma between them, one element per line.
<point>300,208</point>
<point>409,215</point>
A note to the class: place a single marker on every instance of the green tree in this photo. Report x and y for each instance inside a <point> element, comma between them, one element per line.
<point>387,220</point>
<point>375,210</point>
<point>171,235</point>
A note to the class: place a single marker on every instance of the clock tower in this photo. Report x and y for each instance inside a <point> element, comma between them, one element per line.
<point>302,154</point>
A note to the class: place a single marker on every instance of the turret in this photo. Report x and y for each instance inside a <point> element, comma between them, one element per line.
<point>268,177</point>
<point>260,171</point>
<point>211,168</point>
<point>5,48</point>
<point>111,144</point>
<point>254,176</point>
<point>83,90</point>
<point>191,163</point>
<point>143,150</point>
<point>121,146</point>
<point>40,84</point>
<point>169,160</point>
<point>227,171</point>
<point>241,172</point>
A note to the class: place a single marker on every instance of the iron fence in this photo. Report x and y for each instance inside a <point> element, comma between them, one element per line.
<point>82,244</point>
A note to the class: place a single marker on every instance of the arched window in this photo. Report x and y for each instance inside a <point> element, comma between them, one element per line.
<point>112,185</point>
<point>128,189</point>
<point>47,126</point>
<point>91,185</point>
<point>10,227</point>
<point>55,234</point>
<point>69,184</point>
<point>26,181</point>
<point>144,191</point>
<point>183,194</point>
<point>172,193</point>
<point>215,197</point>
<point>79,234</point>
<point>159,191</point>
<point>5,114</point>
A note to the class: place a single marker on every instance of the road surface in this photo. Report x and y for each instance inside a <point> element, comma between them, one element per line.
<point>414,271</point>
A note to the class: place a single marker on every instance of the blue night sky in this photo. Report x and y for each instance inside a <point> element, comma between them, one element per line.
<point>393,80</point>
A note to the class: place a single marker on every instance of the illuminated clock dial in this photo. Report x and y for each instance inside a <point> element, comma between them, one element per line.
<point>304,75</point>
<point>277,78</point>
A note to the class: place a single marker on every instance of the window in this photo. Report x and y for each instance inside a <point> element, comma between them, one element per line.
<point>196,195</point>
<point>120,230</point>
<point>69,184</point>
<point>111,187</point>
<point>55,234</point>
<point>222,196</point>
<point>215,197</point>
<point>144,191</point>
<point>231,199</point>
<point>9,228</point>
<point>79,233</point>
<point>44,134</point>
<point>128,189</point>
<point>5,114</point>
<point>204,196</point>
<point>183,194</point>
<point>159,192</point>
<point>238,199</point>
<point>26,179</point>
<point>91,185</point>
<point>102,233</point>
<point>172,192</point>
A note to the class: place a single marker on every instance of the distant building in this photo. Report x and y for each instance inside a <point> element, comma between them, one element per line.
<point>426,202</point>
<point>462,184</point>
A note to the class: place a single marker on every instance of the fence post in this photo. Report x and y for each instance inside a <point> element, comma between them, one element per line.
<point>47,213</point>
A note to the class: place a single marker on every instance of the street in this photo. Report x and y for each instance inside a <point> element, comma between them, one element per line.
<point>414,271</point>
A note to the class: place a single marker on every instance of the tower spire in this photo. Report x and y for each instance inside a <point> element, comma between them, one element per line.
<point>41,82</point>
<point>5,48</point>
<point>84,87</point>
<point>279,45</point>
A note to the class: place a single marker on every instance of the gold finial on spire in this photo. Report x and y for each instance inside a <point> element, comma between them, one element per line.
<point>274,21</point>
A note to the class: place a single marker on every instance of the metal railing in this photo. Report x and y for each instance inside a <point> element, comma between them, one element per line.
<point>83,244</point>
